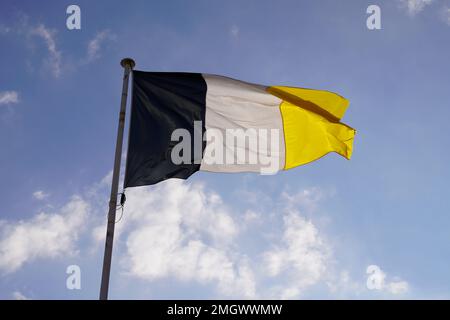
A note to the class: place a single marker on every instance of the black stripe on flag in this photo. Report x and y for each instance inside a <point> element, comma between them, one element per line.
<point>161,103</point>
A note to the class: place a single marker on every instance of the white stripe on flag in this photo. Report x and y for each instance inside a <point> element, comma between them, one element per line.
<point>233,104</point>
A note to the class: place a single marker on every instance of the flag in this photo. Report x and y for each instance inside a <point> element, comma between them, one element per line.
<point>185,122</point>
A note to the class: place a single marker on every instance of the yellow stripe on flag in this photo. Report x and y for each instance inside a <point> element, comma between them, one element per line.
<point>309,136</point>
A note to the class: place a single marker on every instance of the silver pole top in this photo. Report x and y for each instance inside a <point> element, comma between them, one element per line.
<point>127,62</point>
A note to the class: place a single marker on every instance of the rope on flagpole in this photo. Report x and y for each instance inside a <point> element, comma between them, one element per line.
<point>121,206</point>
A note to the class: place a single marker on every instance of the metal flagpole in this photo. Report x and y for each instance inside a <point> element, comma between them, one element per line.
<point>128,64</point>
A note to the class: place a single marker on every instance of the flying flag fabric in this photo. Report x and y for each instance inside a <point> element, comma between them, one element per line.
<point>185,122</point>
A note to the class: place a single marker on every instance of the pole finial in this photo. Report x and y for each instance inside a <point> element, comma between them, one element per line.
<point>127,62</point>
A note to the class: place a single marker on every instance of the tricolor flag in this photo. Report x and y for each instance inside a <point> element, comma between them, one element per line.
<point>185,122</point>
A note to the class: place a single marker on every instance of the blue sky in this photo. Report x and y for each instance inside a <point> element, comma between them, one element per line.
<point>310,232</point>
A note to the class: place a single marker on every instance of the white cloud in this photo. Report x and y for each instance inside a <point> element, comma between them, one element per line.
<point>378,278</point>
<point>40,195</point>
<point>341,285</point>
<point>95,45</point>
<point>413,7</point>
<point>398,287</point>
<point>54,59</point>
<point>302,258</point>
<point>9,97</point>
<point>179,230</point>
<point>305,199</point>
<point>251,216</point>
<point>43,236</point>
<point>16,295</point>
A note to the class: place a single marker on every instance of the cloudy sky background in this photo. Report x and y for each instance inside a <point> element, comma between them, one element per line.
<point>311,232</point>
